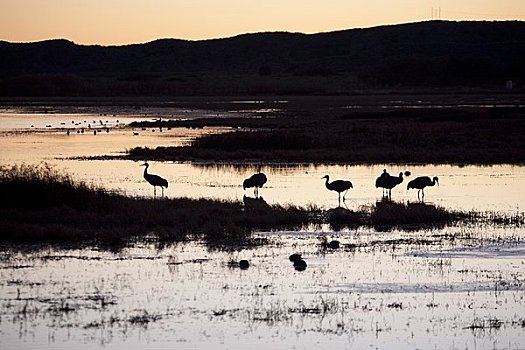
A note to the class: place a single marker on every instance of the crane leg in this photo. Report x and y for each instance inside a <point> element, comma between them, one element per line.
<point>154,191</point>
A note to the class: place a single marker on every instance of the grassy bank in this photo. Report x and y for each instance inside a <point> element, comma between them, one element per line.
<point>320,134</point>
<point>39,205</point>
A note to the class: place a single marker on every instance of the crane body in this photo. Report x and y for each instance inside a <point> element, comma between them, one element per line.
<point>338,186</point>
<point>154,180</point>
<point>421,182</point>
<point>256,180</point>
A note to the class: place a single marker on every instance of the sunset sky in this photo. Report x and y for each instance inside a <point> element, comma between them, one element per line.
<point>116,22</point>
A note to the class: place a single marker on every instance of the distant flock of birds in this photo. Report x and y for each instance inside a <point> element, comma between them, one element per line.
<point>385,181</point>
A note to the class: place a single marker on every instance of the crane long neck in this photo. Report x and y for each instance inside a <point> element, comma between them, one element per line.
<point>326,182</point>
<point>145,170</point>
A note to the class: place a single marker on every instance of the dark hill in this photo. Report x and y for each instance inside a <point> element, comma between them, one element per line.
<point>426,54</point>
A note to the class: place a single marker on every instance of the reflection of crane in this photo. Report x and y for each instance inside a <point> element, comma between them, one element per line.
<point>421,182</point>
<point>256,180</point>
<point>338,186</point>
<point>254,203</point>
<point>388,182</point>
<point>154,180</point>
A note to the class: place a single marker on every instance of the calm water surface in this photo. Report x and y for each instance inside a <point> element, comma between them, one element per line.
<point>499,188</point>
<point>188,296</point>
<point>378,290</point>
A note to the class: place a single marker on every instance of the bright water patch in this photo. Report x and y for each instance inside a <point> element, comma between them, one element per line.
<point>187,295</point>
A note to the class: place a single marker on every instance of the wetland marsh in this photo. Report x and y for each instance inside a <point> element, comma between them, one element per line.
<point>457,284</point>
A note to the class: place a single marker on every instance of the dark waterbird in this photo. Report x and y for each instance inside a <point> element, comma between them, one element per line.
<point>388,182</point>
<point>154,180</point>
<point>244,264</point>
<point>299,265</point>
<point>256,180</point>
<point>338,186</point>
<point>294,257</point>
<point>421,182</point>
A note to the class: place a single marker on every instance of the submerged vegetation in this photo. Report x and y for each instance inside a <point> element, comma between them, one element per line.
<point>41,205</point>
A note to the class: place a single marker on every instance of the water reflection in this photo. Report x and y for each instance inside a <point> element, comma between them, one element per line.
<point>256,203</point>
<point>483,188</point>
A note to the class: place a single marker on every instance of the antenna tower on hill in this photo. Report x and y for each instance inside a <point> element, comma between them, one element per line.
<point>435,13</point>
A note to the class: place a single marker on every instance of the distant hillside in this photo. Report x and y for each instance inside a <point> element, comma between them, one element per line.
<point>426,54</point>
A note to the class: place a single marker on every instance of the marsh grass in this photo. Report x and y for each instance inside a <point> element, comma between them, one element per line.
<point>41,205</point>
<point>461,136</point>
<point>38,204</point>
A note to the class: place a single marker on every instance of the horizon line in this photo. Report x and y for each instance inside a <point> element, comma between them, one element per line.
<point>254,33</point>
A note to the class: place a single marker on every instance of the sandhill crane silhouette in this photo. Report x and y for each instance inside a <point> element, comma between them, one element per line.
<point>388,182</point>
<point>338,186</point>
<point>420,183</point>
<point>154,180</point>
<point>256,180</point>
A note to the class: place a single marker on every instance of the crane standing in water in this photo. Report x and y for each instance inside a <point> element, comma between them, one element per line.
<point>154,180</point>
<point>388,182</point>
<point>256,180</point>
<point>420,183</point>
<point>338,186</point>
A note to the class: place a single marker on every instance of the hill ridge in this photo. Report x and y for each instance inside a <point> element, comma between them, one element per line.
<point>430,53</point>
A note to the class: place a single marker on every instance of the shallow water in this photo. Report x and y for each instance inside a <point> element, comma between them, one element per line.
<point>494,188</point>
<point>187,296</point>
<point>459,287</point>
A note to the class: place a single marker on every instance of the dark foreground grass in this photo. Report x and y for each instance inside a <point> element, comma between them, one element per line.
<point>39,205</point>
<point>460,136</point>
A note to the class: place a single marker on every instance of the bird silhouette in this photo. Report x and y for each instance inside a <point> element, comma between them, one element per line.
<point>256,180</point>
<point>388,182</point>
<point>420,183</point>
<point>154,180</point>
<point>338,186</point>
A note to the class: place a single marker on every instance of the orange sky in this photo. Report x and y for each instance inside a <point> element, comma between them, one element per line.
<point>115,22</point>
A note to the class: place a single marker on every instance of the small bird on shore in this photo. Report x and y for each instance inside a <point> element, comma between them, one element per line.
<point>420,183</point>
<point>154,180</point>
<point>338,186</point>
